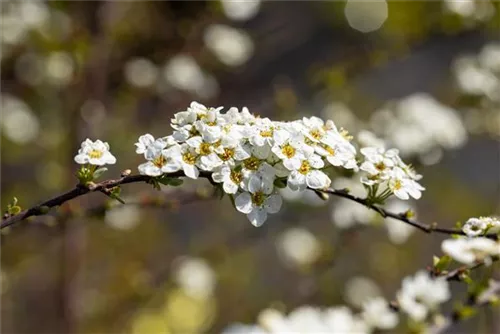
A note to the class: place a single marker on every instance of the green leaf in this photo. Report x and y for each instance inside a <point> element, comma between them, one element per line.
<point>441,264</point>
<point>280,183</point>
<point>174,182</point>
<point>99,172</point>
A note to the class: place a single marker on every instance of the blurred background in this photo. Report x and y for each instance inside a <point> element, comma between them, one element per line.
<point>422,76</point>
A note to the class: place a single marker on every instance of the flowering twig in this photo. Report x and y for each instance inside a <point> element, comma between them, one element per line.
<point>105,186</point>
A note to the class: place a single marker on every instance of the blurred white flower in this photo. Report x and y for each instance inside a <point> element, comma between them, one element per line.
<point>59,68</point>
<point>421,294</point>
<point>240,10</point>
<point>122,217</point>
<point>341,115</point>
<point>183,72</point>
<point>461,7</point>
<point>368,138</point>
<point>358,290</point>
<point>347,213</point>
<point>470,250</point>
<point>33,13</point>
<point>474,80</point>
<point>340,320</point>
<point>238,328</point>
<point>377,314</point>
<point>489,57</point>
<point>19,123</point>
<point>195,277</point>
<point>298,246</point>
<point>140,72</point>
<point>366,16</point>
<point>233,47</point>
<point>406,125</point>
<point>398,231</point>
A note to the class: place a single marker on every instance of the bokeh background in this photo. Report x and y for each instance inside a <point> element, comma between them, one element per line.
<point>423,76</point>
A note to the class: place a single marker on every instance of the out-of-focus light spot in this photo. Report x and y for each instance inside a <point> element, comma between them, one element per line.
<point>398,233</point>
<point>93,112</point>
<point>123,217</point>
<point>489,57</point>
<point>473,79</point>
<point>461,7</point>
<point>12,30</point>
<point>340,114</point>
<point>298,247</point>
<point>19,124</point>
<point>186,314</point>
<point>184,73</point>
<point>360,289</point>
<point>150,322</point>
<point>33,13</point>
<point>140,72</point>
<point>59,68</point>
<point>366,16</point>
<point>240,10</point>
<point>233,47</point>
<point>195,277</point>
<point>29,68</point>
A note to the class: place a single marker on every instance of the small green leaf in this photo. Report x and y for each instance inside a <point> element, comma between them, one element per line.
<point>280,183</point>
<point>442,263</point>
<point>14,210</point>
<point>99,172</point>
<point>174,182</point>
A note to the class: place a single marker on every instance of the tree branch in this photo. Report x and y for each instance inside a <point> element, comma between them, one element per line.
<point>105,186</point>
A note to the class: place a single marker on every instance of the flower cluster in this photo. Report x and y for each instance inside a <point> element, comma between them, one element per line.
<point>422,294</point>
<point>475,227</point>
<point>250,157</point>
<point>385,169</point>
<point>471,250</point>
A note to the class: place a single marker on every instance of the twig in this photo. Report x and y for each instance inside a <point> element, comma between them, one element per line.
<point>105,187</point>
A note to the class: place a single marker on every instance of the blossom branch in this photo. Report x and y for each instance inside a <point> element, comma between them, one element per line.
<point>107,185</point>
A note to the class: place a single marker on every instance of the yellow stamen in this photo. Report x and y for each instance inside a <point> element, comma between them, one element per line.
<point>228,154</point>
<point>95,154</point>
<point>189,158</point>
<point>205,149</point>
<point>252,163</point>
<point>288,150</point>
<point>258,198</point>
<point>305,167</point>
<point>236,177</point>
<point>159,161</point>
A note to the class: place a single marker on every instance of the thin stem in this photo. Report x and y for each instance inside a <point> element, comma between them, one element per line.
<point>105,186</point>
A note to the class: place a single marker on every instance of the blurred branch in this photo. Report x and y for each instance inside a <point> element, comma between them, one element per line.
<point>106,186</point>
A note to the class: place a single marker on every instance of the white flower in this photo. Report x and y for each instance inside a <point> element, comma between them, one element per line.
<point>403,187</point>
<point>161,161</point>
<point>94,153</point>
<point>469,251</point>
<point>207,158</point>
<point>231,179</point>
<point>147,142</point>
<point>340,320</point>
<point>291,153</point>
<point>377,314</point>
<point>308,175</point>
<point>475,227</point>
<point>188,158</point>
<point>258,202</point>
<point>421,293</point>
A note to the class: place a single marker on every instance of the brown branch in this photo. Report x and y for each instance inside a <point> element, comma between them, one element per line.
<point>427,228</point>
<point>105,187</point>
